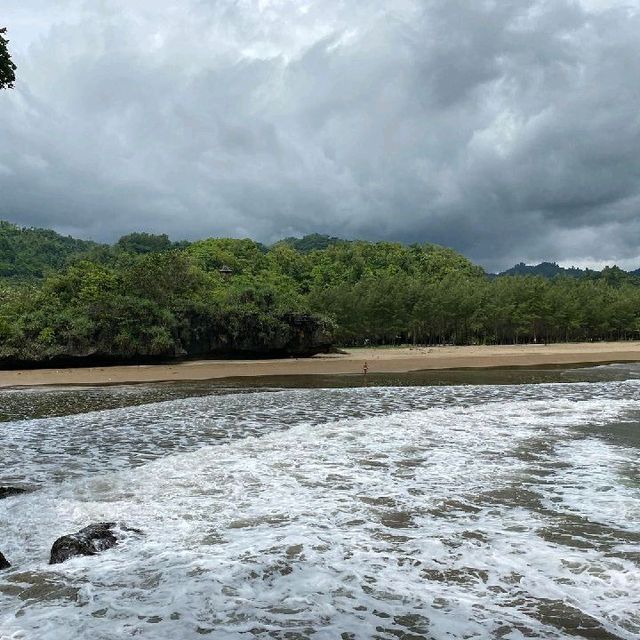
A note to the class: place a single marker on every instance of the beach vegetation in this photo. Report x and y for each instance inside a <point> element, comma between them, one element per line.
<point>147,297</point>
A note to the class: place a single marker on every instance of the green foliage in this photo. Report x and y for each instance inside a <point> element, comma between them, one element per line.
<point>147,297</point>
<point>144,243</point>
<point>613,275</point>
<point>29,252</point>
<point>546,270</point>
<point>7,66</point>
<point>242,256</point>
<point>161,304</point>
<point>311,242</point>
<point>385,293</point>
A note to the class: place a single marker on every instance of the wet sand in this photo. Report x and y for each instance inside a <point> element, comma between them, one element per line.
<point>379,360</point>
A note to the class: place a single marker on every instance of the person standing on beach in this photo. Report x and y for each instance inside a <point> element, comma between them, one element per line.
<point>365,368</point>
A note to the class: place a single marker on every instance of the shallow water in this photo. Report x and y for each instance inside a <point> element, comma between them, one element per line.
<point>459,511</point>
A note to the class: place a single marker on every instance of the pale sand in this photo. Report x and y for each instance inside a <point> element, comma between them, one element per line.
<point>382,360</point>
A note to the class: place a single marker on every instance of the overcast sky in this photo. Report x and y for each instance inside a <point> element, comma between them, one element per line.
<point>507,129</point>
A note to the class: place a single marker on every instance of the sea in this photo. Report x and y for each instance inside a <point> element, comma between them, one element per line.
<point>433,505</point>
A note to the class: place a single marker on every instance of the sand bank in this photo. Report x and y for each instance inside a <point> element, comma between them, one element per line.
<point>381,360</point>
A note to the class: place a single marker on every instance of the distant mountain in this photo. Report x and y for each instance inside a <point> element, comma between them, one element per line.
<point>612,275</point>
<point>546,270</point>
<point>311,242</point>
<point>29,252</point>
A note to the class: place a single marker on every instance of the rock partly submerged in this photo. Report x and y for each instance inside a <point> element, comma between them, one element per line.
<point>7,492</point>
<point>89,541</point>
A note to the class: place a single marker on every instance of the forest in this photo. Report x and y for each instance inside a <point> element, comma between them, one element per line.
<point>146,298</point>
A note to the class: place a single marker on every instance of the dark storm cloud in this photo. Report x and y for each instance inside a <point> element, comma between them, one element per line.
<point>509,130</point>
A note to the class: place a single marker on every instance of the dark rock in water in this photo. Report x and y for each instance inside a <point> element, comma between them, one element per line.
<point>4,563</point>
<point>88,541</point>
<point>6,492</point>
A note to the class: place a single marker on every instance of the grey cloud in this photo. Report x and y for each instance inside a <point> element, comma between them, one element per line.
<point>508,130</point>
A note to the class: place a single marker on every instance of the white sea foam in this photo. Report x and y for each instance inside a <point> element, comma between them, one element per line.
<point>370,513</point>
<point>601,483</point>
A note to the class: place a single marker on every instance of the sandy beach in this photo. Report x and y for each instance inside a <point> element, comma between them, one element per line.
<point>379,360</point>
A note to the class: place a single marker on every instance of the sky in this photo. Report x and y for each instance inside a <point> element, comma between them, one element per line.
<point>506,129</point>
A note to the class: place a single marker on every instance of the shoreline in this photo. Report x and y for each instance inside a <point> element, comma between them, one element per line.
<point>379,360</point>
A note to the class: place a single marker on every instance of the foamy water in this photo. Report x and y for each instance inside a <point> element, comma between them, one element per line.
<point>441,512</point>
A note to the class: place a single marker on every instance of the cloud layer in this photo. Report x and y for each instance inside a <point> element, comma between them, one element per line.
<point>507,129</point>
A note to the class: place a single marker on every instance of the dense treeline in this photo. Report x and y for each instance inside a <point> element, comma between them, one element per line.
<point>153,306</point>
<point>552,270</point>
<point>147,297</point>
<point>26,253</point>
<point>460,309</point>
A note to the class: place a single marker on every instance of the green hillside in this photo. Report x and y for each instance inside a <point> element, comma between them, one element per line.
<point>613,275</point>
<point>149,298</point>
<point>28,252</point>
<point>546,270</point>
<point>311,242</point>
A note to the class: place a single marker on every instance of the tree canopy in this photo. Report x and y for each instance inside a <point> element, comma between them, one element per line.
<point>30,252</point>
<point>7,66</point>
<point>148,297</point>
